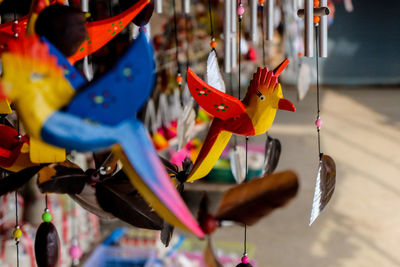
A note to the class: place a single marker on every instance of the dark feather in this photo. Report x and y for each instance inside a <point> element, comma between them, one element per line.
<point>14,181</point>
<point>117,196</point>
<point>272,154</point>
<point>47,245</point>
<point>87,199</point>
<point>170,167</point>
<point>63,178</point>
<point>166,233</point>
<point>249,202</point>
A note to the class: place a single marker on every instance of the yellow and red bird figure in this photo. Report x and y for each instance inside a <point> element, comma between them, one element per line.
<point>252,116</point>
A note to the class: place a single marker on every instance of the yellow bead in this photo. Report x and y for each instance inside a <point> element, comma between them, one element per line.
<point>17,233</point>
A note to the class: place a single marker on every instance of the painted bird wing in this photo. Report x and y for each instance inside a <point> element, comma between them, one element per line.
<point>120,93</point>
<point>102,31</point>
<point>74,77</point>
<point>215,102</point>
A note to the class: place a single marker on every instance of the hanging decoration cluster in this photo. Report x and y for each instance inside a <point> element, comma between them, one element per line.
<point>82,134</point>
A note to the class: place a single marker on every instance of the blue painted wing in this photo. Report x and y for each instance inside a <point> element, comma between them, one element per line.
<point>120,93</point>
<point>74,77</point>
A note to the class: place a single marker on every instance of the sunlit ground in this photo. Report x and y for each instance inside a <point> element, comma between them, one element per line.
<point>359,227</point>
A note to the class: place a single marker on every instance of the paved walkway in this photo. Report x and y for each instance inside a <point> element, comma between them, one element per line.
<point>360,226</point>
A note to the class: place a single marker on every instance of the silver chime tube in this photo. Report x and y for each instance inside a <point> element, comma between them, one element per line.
<point>85,5</point>
<point>158,6</point>
<point>308,28</point>
<point>186,6</point>
<point>227,36</point>
<point>87,67</point>
<point>253,23</point>
<point>323,32</point>
<point>233,34</point>
<point>270,19</point>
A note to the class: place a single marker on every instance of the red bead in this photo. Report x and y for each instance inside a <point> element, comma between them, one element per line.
<point>16,27</point>
<point>245,260</point>
<point>209,224</point>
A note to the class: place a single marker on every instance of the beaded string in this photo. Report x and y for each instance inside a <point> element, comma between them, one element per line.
<point>318,122</point>
<point>213,43</point>
<point>240,12</point>
<point>179,75</point>
<point>17,233</point>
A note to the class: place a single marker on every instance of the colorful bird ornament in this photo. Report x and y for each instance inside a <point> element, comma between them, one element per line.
<point>97,116</point>
<point>252,116</point>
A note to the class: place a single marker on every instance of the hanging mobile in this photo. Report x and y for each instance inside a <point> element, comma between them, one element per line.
<point>272,145</point>
<point>245,262</point>
<point>315,13</point>
<point>47,242</point>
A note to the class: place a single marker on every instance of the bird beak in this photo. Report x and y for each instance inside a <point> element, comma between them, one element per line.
<point>285,104</point>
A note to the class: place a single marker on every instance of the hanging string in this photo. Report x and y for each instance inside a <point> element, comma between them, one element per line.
<point>318,122</point>
<point>263,34</point>
<point>15,10</point>
<point>110,8</point>
<point>47,202</point>
<point>179,76</point>
<point>187,41</point>
<point>240,13</point>
<point>211,21</point>
<point>17,231</point>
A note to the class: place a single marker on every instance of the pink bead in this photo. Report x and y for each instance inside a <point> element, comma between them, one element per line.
<point>318,123</point>
<point>75,252</point>
<point>245,260</point>
<point>240,10</point>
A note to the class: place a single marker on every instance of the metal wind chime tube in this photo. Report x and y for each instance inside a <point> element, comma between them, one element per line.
<point>253,18</point>
<point>308,28</point>
<point>323,31</point>
<point>87,67</point>
<point>227,34</point>
<point>85,6</point>
<point>310,13</point>
<point>186,6</point>
<point>270,19</point>
<point>158,6</point>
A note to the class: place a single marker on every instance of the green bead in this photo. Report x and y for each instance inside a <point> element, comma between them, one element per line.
<point>46,217</point>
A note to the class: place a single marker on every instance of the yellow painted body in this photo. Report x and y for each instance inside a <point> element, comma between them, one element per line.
<point>208,161</point>
<point>45,91</point>
<point>41,152</point>
<point>5,107</point>
<point>262,113</point>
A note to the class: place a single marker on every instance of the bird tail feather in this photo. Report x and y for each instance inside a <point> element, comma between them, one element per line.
<point>212,148</point>
<point>147,174</point>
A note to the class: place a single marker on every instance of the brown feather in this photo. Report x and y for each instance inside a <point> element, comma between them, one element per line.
<point>14,181</point>
<point>249,202</point>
